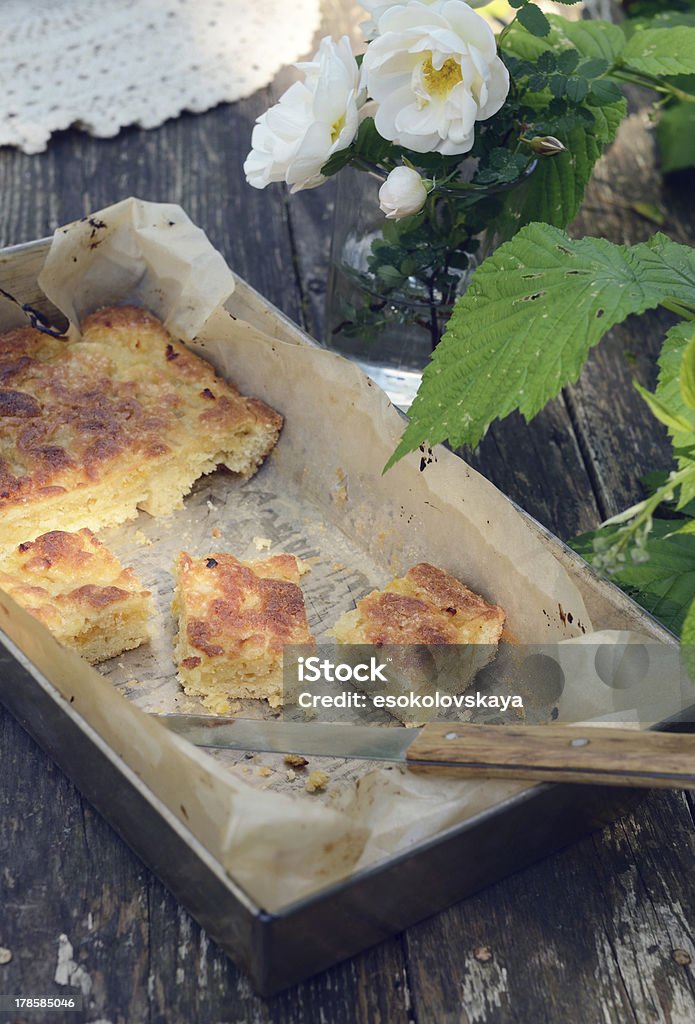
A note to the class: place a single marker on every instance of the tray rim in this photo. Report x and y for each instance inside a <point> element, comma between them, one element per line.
<point>259,956</point>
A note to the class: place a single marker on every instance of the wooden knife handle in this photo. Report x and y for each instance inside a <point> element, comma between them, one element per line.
<point>559,753</point>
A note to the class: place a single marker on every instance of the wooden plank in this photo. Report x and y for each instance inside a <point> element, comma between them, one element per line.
<point>136,954</point>
<point>195,161</point>
<point>541,466</point>
<point>621,438</point>
<point>590,934</point>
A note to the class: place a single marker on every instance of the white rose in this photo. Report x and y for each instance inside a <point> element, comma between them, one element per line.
<point>377,7</point>
<point>312,120</point>
<point>434,71</point>
<point>402,194</point>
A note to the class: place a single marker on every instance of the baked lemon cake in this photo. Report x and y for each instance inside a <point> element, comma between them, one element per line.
<point>435,636</point>
<point>121,419</point>
<point>426,606</point>
<point>234,619</point>
<point>80,591</point>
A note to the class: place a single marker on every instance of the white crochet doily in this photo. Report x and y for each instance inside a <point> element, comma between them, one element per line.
<point>106,64</point>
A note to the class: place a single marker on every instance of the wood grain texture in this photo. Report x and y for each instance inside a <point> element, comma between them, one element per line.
<point>195,161</point>
<point>609,416</point>
<point>611,757</point>
<point>602,932</point>
<point>589,935</point>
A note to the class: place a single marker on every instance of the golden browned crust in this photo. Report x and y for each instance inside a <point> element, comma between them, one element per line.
<point>121,408</point>
<point>80,591</point>
<point>426,606</point>
<point>232,604</point>
<point>234,620</point>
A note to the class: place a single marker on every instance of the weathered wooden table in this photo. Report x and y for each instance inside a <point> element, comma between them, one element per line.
<point>602,932</point>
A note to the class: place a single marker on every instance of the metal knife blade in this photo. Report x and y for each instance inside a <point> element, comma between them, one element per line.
<point>280,737</point>
<point>622,757</point>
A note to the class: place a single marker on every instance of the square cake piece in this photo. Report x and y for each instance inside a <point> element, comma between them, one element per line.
<point>426,606</point>
<point>437,633</point>
<point>234,619</point>
<point>80,591</point>
<point>123,418</point>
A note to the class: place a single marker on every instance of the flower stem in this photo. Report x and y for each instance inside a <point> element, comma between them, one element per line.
<point>648,81</point>
<point>434,321</point>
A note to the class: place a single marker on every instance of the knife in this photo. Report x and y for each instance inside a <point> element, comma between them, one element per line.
<point>545,753</point>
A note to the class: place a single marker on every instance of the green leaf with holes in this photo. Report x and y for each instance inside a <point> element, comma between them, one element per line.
<point>526,324</point>
<point>662,51</point>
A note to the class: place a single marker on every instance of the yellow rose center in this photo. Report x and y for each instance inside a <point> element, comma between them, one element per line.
<point>337,127</point>
<point>440,83</point>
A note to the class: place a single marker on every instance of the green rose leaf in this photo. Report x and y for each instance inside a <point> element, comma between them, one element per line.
<point>577,89</point>
<point>604,92</point>
<point>526,324</point>
<point>556,188</point>
<point>337,161</point>
<point>533,19</point>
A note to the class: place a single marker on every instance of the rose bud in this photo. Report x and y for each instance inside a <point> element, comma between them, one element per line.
<point>402,194</point>
<point>546,145</point>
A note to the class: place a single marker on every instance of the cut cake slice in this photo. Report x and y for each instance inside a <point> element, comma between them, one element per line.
<point>234,620</point>
<point>80,591</point>
<point>120,419</point>
<point>426,606</point>
<point>437,632</point>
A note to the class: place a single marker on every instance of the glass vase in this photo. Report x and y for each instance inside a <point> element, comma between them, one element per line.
<point>392,285</point>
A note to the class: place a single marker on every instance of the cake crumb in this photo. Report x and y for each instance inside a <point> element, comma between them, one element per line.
<point>142,539</point>
<point>296,760</point>
<point>317,780</point>
<point>291,775</point>
<point>337,566</point>
<point>262,543</point>
<point>211,507</point>
<point>216,532</point>
<point>265,772</point>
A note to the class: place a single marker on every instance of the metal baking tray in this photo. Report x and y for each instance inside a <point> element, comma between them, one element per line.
<point>281,948</point>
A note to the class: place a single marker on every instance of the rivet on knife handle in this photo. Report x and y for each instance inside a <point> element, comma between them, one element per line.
<point>623,757</point>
